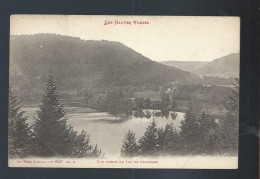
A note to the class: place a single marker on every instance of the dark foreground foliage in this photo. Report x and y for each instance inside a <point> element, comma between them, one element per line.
<point>49,135</point>
<point>196,135</point>
<point>19,133</point>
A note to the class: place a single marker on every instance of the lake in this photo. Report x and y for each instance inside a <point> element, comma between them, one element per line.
<point>107,130</point>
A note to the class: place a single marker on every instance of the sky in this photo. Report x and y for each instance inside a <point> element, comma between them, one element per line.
<point>162,38</point>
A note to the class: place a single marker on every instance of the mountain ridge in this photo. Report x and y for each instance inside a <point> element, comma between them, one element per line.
<point>78,64</point>
<point>226,66</point>
<point>185,65</point>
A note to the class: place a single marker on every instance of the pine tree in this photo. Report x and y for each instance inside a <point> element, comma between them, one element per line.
<point>53,136</point>
<point>129,147</point>
<point>80,146</point>
<point>190,132</point>
<point>19,133</point>
<point>50,128</point>
<point>208,134</point>
<point>230,123</point>
<point>216,141</point>
<point>161,136</point>
<point>171,139</point>
<point>96,153</point>
<point>149,141</point>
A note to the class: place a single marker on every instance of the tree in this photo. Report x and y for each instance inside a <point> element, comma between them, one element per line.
<point>165,112</point>
<point>165,100</point>
<point>230,123</point>
<point>149,141</point>
<point>140,102</point>
<point>50,128</point>
<point>19,133</point>
<point>148,103</point>
<point>174,115</point>
<point>173,104</point>
<point>208,134</point>
<point>129,147</point>
<point>171,139</point>
<point>53,136</point>
<point>96,153</point>
<point>80,146</point>
<point>190,132</point>
<point>216,141</point>
<point>161,136</point>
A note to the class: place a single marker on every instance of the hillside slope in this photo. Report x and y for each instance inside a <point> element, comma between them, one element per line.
<point>78,64</point>
<point>185,65</point>
<point>227,66</point>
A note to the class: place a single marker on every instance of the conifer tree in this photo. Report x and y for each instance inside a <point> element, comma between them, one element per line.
<point>129,147</point>
<point>230,123</point>
<point>216,141</point>
<point>149,141</point>
<point>208,134</point>
<point>171,139</point>
<point>161,137</point>
<point>80,146</point>
<point>19,133</point>
<point>53,136</point>
<point>96,153</point>
<point>50,128</point>
<point>190,132</point>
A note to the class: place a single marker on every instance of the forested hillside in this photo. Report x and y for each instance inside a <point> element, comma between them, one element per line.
<point>78,64</point>
<point>226,66</point>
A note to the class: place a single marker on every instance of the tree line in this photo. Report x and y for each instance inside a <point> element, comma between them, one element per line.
<point>164,106</point>
<point>116,99</point>
<point>196,135</point>
<point>49,134</point>
<point>212,95</point>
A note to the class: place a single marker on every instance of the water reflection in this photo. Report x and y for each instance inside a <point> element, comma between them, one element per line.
<point>107,129</point>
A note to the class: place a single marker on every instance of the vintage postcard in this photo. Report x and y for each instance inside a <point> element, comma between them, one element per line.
<point>124,91</point>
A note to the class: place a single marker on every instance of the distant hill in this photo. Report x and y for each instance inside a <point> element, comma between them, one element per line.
<point>227,66</point>
<point>78,64</point>
<point>185,65</point>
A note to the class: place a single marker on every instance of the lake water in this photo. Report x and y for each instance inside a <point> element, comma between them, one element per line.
<point>107,130</point>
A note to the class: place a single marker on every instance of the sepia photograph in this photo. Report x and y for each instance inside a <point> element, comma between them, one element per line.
<point>89,91</point>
